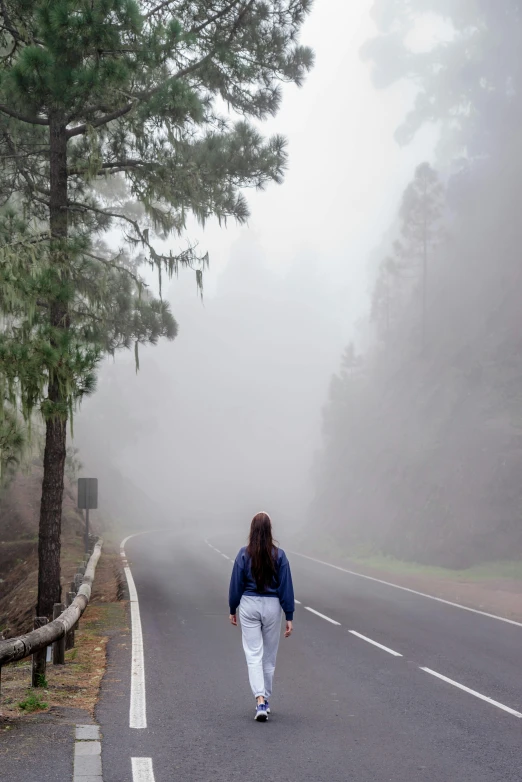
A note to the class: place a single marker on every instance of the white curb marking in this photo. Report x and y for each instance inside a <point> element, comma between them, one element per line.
<point>87,754</point>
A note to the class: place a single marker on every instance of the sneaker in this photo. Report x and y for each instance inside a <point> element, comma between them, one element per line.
<point>267,706</point>
<point>261,713</point>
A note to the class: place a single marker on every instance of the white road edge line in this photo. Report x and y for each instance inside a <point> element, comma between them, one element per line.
<point>412,591</point>
<point>473,692</point>
<point>142,770</point>
<point>138,700</point>
<point>374,643</point>
<point>313,611</point>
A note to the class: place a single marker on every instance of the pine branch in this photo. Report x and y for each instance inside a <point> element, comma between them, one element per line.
<point>22,171</point>
<point>9,26</point>
<point>42,237</point>
<point>185,257</point>
<point>215,18</point>
<point>116,166</point>
<point>158,8</point>
<point>17,115</point>
<point>76,206</point>
<point>23,156</point>
<point>112,263</point>
<point>96,123</point>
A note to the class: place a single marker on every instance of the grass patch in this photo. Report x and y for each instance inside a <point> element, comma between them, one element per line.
<point>33,702</point>
<point>486,571</point>
<point>483,572</point>
<point>41,681</point>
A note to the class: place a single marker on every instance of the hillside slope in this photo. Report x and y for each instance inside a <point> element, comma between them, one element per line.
<point>19,515</point>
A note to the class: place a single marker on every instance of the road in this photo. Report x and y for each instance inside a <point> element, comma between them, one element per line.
<point>344,708</point>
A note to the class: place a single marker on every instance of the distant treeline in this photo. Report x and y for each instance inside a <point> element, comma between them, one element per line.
<point>422,435</point>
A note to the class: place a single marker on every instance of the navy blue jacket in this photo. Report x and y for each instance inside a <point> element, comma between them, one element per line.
<point>242,583</point>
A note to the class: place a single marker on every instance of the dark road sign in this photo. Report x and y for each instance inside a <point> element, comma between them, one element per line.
<point>88,493</point>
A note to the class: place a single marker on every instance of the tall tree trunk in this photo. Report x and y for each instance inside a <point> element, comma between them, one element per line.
<point>49,541</point>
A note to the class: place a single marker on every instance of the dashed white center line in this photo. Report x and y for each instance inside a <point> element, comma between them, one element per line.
<point>374,643</point>
<point>327,618</point>
<point>473,692</point>
<point>142,770</point>
<point>298,602</point>
<point>216,550</point>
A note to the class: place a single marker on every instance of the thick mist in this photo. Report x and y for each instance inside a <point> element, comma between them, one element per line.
<point>226,418</point>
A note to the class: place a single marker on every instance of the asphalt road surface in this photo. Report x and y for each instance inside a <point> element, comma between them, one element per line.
<point>376,684</point>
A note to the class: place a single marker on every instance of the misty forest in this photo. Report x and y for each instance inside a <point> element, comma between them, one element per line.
<point>422,430</point>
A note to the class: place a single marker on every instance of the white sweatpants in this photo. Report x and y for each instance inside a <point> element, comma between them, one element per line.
<point>260,619</point>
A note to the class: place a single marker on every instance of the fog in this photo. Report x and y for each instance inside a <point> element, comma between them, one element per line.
<point>226,417</point>
<point>239,412</point>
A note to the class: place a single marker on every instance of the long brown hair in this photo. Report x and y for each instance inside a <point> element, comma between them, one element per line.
<point>262,550</point>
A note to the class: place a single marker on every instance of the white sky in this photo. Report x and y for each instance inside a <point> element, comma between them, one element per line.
<point>346,171</point>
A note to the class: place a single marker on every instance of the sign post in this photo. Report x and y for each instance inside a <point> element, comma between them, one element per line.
<point>87,500</point>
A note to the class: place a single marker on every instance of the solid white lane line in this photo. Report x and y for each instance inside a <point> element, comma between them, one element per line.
<point>473,692</point>
<point>374,643</point>
<point>313,611</point>
<point>407,589</point>
<point>138,702</point>
<point>135,535</point>
<point>138,699</point>
<point>142,770</point>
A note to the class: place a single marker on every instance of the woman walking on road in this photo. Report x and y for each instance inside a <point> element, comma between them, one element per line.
<point>261,585</point>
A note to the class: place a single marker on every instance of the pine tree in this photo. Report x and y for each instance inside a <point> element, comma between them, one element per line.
<point>420,214</point>
<point>384,293</point>
<point>134,93</point>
